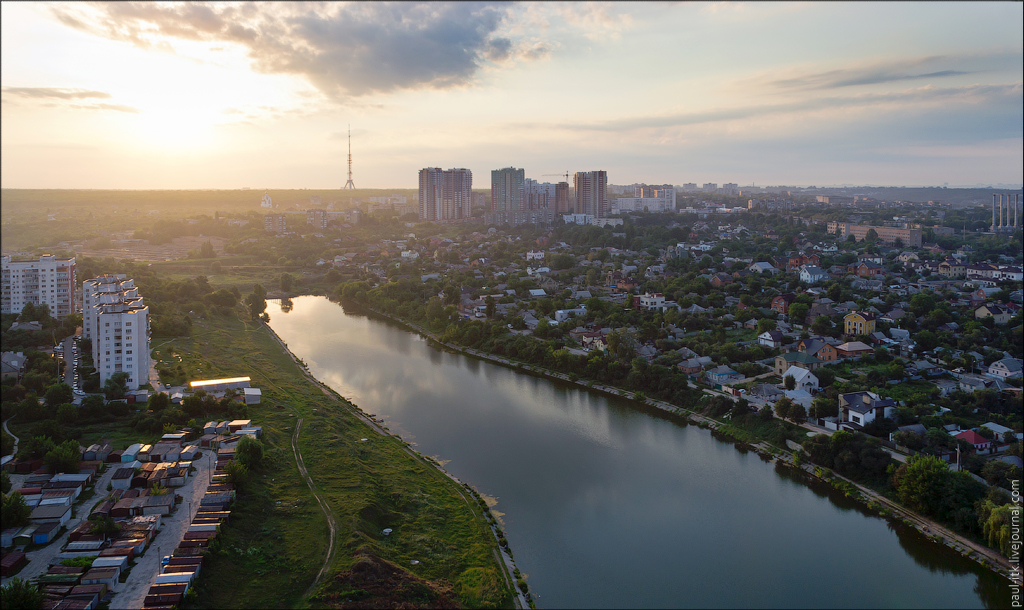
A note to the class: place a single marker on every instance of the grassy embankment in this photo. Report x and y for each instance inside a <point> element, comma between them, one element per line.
<point>277,538</point>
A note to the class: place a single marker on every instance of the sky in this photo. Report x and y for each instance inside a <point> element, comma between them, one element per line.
<point>261,95</point>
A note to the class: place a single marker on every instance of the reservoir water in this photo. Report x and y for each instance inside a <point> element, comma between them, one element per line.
<point>608,506</point>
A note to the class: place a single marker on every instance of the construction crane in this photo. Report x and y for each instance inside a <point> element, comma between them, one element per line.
<point>566,174</point>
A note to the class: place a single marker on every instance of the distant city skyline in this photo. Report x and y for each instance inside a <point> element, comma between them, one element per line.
<point>225,96</point>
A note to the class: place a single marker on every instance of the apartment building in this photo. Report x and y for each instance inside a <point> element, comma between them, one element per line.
<point>648,198</point>
<point>591,193</point>
<point>445,195</point>
<point>116,320</point>
<point>275,223</point>
<point>890,236</point>
<point>48,281</point>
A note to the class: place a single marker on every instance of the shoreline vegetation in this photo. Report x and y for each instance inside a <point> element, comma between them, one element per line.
<point>744,439</point>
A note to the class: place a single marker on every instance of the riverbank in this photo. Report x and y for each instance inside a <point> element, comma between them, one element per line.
<point>503,554</point>
<point>278,541</point>
<point>869,498</point>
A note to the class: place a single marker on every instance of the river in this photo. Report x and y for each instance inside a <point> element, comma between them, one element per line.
<point>608,506</point>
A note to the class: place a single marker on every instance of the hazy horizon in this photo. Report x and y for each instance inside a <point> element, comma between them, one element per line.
<point>225,96</point>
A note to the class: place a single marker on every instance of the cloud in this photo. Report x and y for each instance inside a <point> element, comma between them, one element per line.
<point>921,68</point>
<point>344,50</point>
<point>919,97</point>
<point>55,97</point>
<point>55,93</point>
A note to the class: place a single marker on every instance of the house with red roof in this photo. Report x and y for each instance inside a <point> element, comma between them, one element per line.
<point>979,442</point>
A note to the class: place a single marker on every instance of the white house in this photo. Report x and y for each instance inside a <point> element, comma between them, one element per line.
<point>998,430</point>
<point>862,408</point>
<point>1006,368</point>
<point>762,267</point>
<point>770,338</point>
<point>812,274</point>
<point>805,380</point>
<point>535,255</point>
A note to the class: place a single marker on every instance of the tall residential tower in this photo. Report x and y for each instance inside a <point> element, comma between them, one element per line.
<point>48,281</point>
<point>445,195</point>
<point>116,320</point>
<point>591,193</point>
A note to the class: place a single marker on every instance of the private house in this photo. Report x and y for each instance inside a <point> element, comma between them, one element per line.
<point>998,430</point>
<point>820,349</point>
<point>721,279</point>
<point>946,386</point>
<point>979,443</point>
<point>858,409</point>
<point>865,269</point>
<point>923,367</point>
<point>781,303</point>
<point>854,349</point>
<point>812,274</point>
<point>762,267</point>
<point>805,380</point>
<point>952,268</point>
<point>770,338</point>
<point>783,362</point>
<point>999,314</point>
<point>858,323</point>
<point>723,375</point>
<point>1007,368</point>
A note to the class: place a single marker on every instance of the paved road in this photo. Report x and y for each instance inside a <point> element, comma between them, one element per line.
<point>39,559</point>
<point>131,593</point>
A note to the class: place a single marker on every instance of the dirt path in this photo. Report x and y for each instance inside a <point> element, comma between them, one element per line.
<point>331,524</point>
<point>16,439</point>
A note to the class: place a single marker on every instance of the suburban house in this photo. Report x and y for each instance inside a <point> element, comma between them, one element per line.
<point>858,323</point>
<point>762,268</point>
<point>770,338</point>
<point>805,380</point>
<point>862,408</point>
<point>865,269</point>
<point>977,441</point>
<point>1006,368</point>
<point>812,274</point>
<point>783,362</point>
<point>818,348</point>
<point>998,430</point>
<point>781,303</point>
<point>999,314</point>
<point>854,349</point>
<point>723,374</point>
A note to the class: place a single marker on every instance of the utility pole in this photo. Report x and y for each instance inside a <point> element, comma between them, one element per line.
<point>349,186</point>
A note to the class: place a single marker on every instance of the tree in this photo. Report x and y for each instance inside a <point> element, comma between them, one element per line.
<point>257,301</point>
<point>287,282</point>
<point>996,524</point>
<point>782,407</point>
<point>238,474</point>
<point>15,511</point>
<point>58,394</point>
<point>489,306</point>
<point>766,324</point>
<point>207,251</point>
<point>104,526</point>
<point>871,236</point>
<point>63,458</point>
<point>920,482</point>
<point>798,312</point>
<point>797,413</point>
<point>21,594</point>
<point>249,452</point>
<point>5,481</point>
<point>116,385</point>
<point>790,382</point>
<point>67,414</point>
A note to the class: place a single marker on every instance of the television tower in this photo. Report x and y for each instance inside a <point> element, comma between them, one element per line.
<point>349,186</point>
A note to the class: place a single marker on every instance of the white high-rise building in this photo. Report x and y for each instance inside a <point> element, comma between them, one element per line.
<point>116,320</point>
<point>49,280</point>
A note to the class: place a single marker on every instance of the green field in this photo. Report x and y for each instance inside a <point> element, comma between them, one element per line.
<point>276,541</point>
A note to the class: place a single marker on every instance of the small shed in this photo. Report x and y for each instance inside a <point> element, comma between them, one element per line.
<point>253,396</point>
<point>145,453</point>
<point>157,505</point>
<point>46,532</point>
<point>46,514</point>
<point>90,452</point>
<point>131,452</point>
<point>210,427</point>
<point>189,453</point>
<point>101,576</point>
<point>12,562</point>
<point>117,562</point>
<point>122,478</point>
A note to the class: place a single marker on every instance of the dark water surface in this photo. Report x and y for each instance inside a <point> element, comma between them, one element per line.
<point>607,506</point>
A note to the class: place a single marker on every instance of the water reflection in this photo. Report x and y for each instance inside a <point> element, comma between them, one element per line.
<point>608,505</point>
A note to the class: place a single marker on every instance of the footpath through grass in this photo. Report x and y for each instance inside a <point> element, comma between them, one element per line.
<point>276,540</point>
